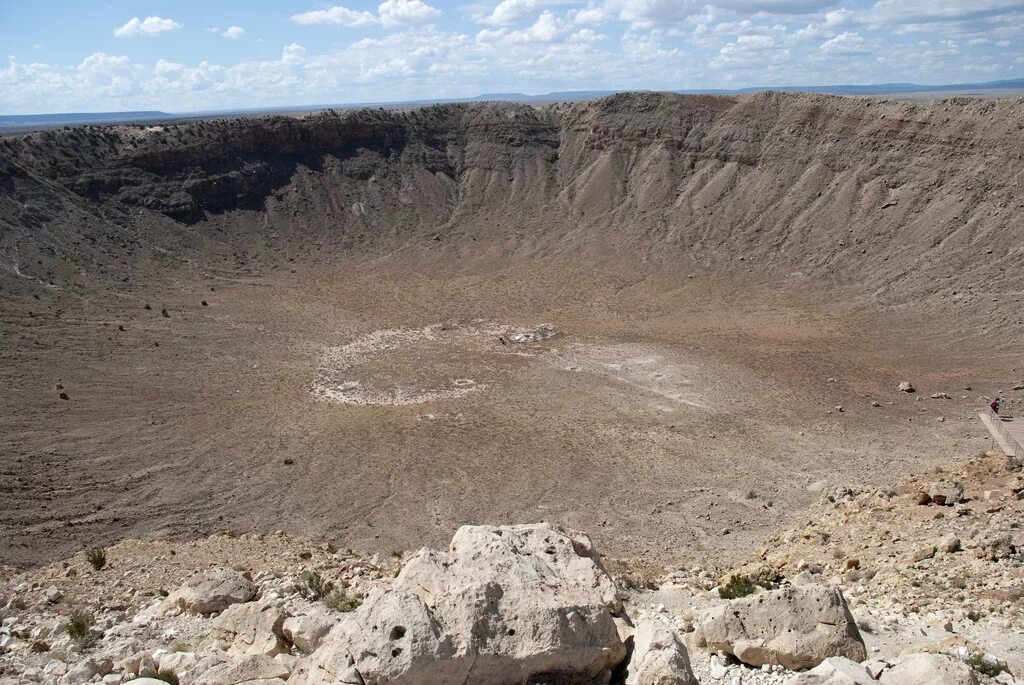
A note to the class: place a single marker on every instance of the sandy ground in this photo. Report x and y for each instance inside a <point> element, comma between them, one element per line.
<point>662,404</point>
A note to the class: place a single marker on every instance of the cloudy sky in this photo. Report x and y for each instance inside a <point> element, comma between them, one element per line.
<point>76,55</point>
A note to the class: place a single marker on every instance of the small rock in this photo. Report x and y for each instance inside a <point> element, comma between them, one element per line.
<point>307,631</point>
<point>659,657</point>
<point>950,543</point>
<point>946,492</point>
<point>922,553</point>
<point>875,667</point>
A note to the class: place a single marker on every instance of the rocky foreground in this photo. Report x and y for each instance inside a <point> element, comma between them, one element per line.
<point>918,584</point>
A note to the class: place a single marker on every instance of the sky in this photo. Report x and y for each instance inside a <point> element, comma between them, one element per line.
<point>185,56</point>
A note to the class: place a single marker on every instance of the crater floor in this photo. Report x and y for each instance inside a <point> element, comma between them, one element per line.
<point>376,403</point>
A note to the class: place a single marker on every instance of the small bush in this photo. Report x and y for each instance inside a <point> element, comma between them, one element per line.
<point>97,557</point>
<point>738,586</point>
<point>164,674</point>
<point>314,586</point>
<point>339,600</point>
<point>78,627</point>
<point>979,664</point>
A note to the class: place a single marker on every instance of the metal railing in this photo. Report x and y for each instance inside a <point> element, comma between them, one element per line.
<point>1013,443</point>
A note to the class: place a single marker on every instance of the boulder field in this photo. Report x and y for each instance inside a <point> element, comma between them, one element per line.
<point>503,605</point>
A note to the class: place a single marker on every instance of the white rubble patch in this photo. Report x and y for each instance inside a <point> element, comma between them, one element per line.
<point>929,669</point>
<point>543,332</point>
<point>643,370</point>
<point>406,366</point>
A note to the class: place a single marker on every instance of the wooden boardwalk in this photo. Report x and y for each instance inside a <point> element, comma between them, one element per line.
<point>1008,434</point>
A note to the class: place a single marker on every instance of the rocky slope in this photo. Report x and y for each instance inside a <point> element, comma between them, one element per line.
<point>850,598</point>
<point>904,200</point>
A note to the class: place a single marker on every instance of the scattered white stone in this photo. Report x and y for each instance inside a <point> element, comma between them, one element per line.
<point>928,669</point>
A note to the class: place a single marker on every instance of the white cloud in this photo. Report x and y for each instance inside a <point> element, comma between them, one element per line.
<point>509,12</point>
<point>886,12</point>
<point>390,13</point>
<point>544,30</point>
<point>845,43</point>
<point>593,13</point>
<point>150,26</point>
<point>401,12</point>
<point>337,15</point>
<point>586,36</point>
<point>293,53</point>
<point>775,6</point>
<point>648,12</point>
<point>164,67</point>
<point>392,69</point>
<point>827,28</point>
<point>545,45</point>
<point>233,32</point>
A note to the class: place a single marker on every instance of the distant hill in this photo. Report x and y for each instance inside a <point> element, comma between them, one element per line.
<point>882,88</point>
<point>77,118</point>
<point>872,89</point>
<point>23,122</point>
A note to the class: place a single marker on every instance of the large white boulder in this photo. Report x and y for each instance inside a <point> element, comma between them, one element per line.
<point>659,656</point>
<point>502,605</point>
<point>212,591</point>
<point>307,629</point>
<point>835,670</point>
<point>929,669</point>
<point>797,627</point>
<point>391,638</point>
<point>252,628</point>
<point>252,670</point>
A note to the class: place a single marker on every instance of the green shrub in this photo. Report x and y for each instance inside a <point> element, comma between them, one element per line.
<point>164,674</point>
<point>78,627</point>
<point>737,586</point>
<point>978,663</point>
<point>97,557</point>
<point>314,586</point>
<point>339,600</point>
